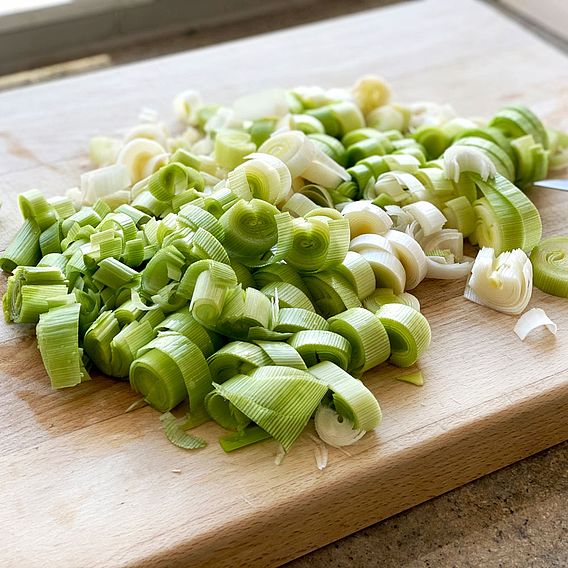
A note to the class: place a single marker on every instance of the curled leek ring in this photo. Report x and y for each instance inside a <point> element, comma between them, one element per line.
<point>550,265</point>
<point>408,331</point>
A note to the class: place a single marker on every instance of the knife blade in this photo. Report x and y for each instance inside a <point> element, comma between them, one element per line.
<point>560,184</point>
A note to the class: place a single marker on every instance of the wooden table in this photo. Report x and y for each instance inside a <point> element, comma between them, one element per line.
<point>83,484</point>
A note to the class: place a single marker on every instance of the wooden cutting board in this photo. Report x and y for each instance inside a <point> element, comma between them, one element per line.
<point>83,484</point>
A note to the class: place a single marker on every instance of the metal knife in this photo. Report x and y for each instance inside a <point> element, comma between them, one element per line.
<point>561,184</point>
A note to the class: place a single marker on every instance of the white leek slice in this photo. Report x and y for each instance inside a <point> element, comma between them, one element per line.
<point>103,151</point>
<point>136,154</point>
<point>504,283</point>
<point>427,215</point>
<point>364,217</point>
<point>352,400</point>
<point>267,103</point>
<point>378,243</point>
<point>150,131</point>
<point>389,271</point>
<point>409,252</point>
<point>399,185</point>
<point>186,106</point>
<point>446,239</point>
<point>298,205</point>
<point>334,429</point>
<point>294,148</point>
<point>400,218</point>
<point>531,320</point>
<point>429,113</point>
<point>440,268</point>
<point>104,182</point>
<point>370,92</point>
<point>223,118</point>
<point>458,159</point>
<point>325,171</point>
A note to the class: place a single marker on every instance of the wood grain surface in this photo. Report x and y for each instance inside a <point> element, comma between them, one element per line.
<point>85,485</point>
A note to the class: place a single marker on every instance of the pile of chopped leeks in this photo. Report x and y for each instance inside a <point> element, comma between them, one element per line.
<point>255,264</point>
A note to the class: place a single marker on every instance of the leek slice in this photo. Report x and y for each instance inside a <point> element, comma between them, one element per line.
<point>517,120</point>
<point>287,296</point>
<point>237,357</point>
<point>351,398</point>
<point>370,92</point>
<point>292,320</point>
<point>58,342</point>
<point>331,293</point>
<point>460,215</point>
<point>183,322</point>
<point>294,148</point>
<point>250,228</point>
<point>318,243</point>
<point>502,283</point>
<point>369,242</point>
<point>389,271</point>
<point>170,369</point>
<point>316,346</point>
<point>334,429</point>
<point>411,255</point>
<point>358,272</point>
<point>550,266</point>
<point>280,404</point>
<point>33,205</point>
<point>364,218</point>
<point>282,354</point>
<point>428,216</point>
<point>29,292</point>
<point>231,147</point>
<point>24,248</point>
<point>224,413</point>
<point>531,320</point>
<point>458,159</point>
<point>507,219</point>
<point>138,155</point>
<point>408,330</point>
<point>369,341</point>
<point>280,272</point>
<point>246,437</point>
<point>382,296</point>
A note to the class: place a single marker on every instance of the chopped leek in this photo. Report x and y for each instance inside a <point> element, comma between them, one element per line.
<point>202,264</point>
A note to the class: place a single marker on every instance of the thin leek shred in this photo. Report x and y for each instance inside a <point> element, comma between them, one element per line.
<point>532,320</point>
<point>203,264</point>
<point>173,429</point>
